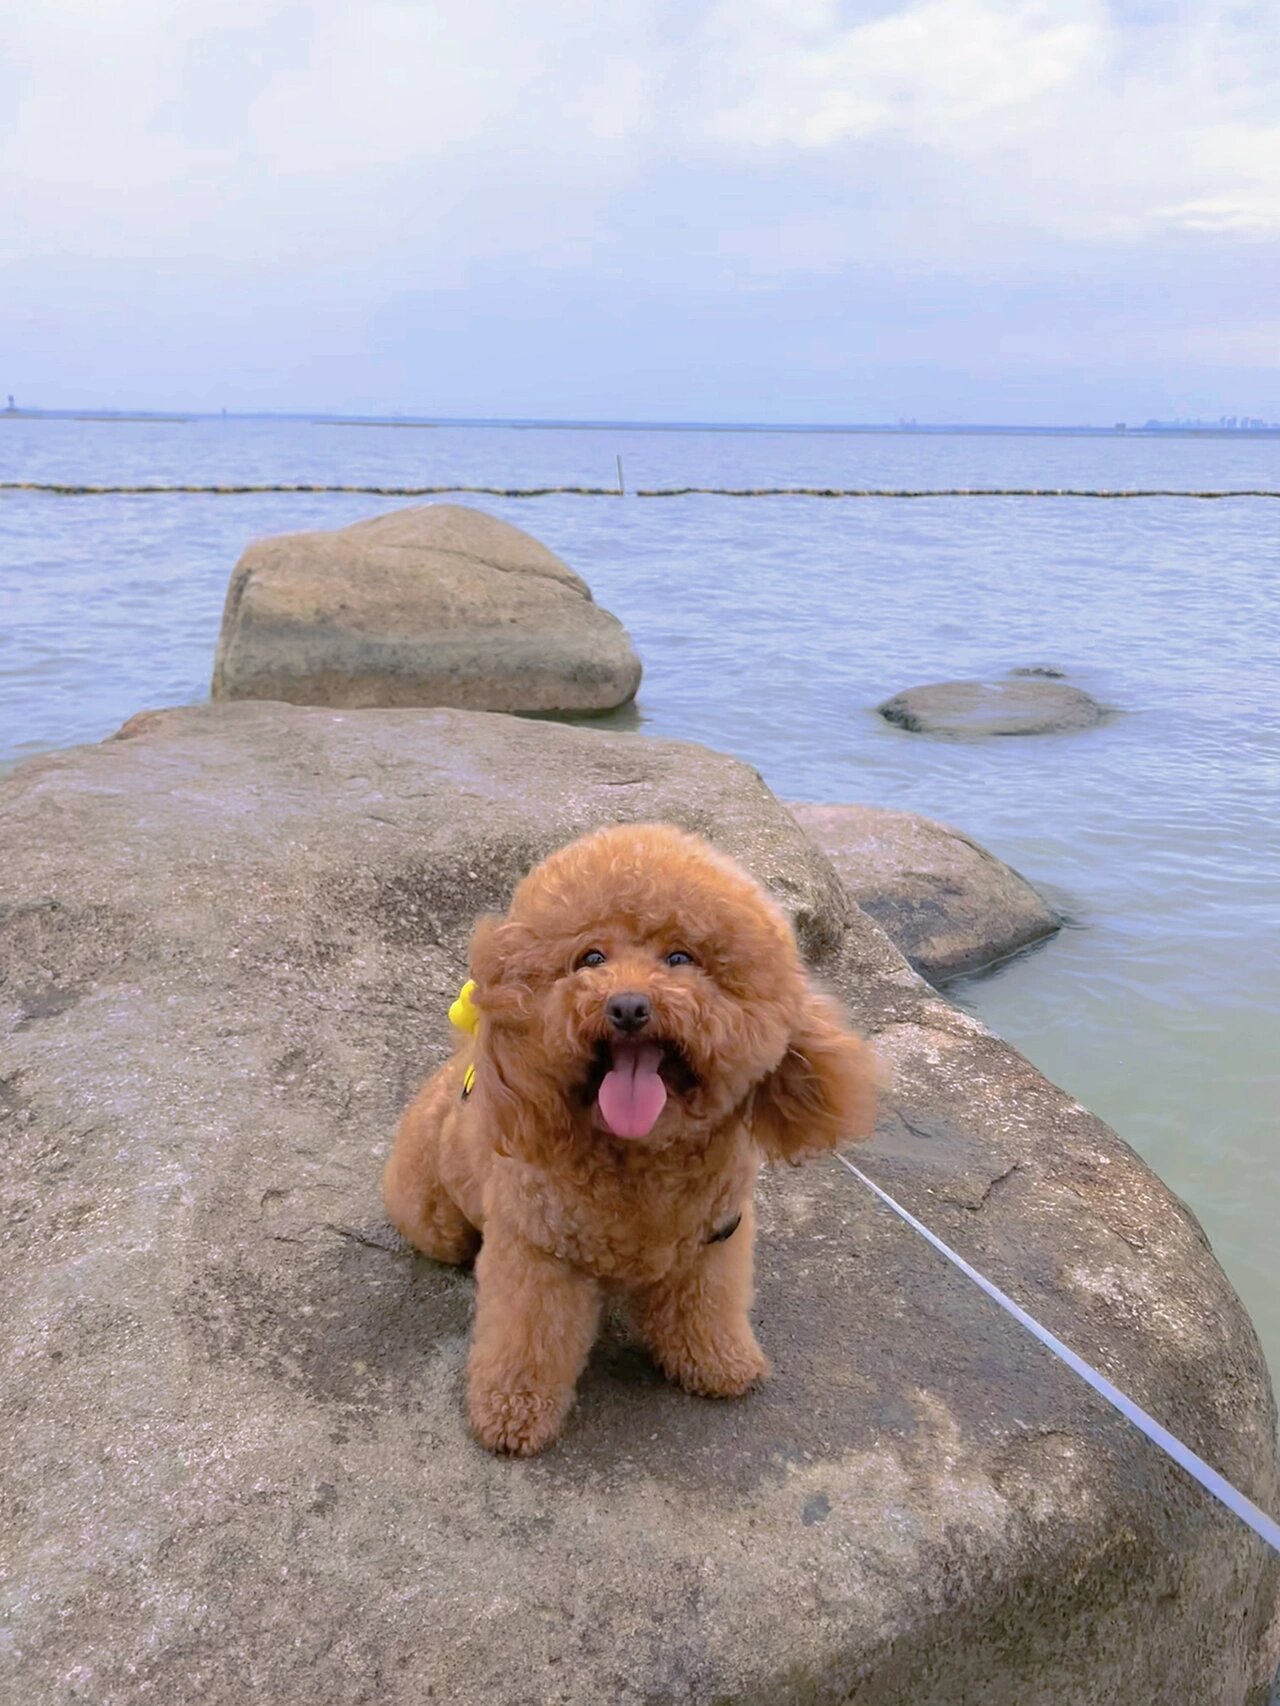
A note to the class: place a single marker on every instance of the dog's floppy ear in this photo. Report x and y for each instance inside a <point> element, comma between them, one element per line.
<point>822,1093</point>
<point>522,1113</point>
<point>488,953</point>
<point>500,964</point>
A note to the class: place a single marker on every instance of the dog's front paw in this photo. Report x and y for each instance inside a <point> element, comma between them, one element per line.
<point>518,1423</point>
<point>725,1369</point>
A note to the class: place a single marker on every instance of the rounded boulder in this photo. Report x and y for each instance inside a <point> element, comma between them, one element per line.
<point>947,904</point>
<point>233,1445</point>
<point>1023,705</point>
<point>437,604</point>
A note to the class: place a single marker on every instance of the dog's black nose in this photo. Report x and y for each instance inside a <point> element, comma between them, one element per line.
<point>629,1012</point>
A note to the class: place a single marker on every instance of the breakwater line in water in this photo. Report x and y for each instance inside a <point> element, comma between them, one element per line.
<point>64,490</point>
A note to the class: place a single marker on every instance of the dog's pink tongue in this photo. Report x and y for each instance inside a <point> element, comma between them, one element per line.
<point>632,1095</point>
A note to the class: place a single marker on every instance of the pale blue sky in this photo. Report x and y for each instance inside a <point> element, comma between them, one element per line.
<point>975,210</point>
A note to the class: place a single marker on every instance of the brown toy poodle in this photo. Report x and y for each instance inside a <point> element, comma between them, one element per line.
<point>646,1035</point>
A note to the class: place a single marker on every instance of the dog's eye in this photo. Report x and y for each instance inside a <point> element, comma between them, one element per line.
<point>678,957</point>
<point>592,957</point>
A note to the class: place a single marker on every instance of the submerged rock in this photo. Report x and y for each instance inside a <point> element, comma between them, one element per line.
<point>233,1446</point>
<point>436,604</point>
<point>948,904</point>
<point>974,709</point>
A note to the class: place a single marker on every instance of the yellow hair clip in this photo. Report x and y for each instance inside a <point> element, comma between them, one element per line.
<point>464,1015</point>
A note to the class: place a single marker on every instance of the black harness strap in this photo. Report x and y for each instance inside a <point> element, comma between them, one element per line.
<point>725,1231</point>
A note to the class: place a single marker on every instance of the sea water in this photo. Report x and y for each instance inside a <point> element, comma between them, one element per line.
<point>770,628</point>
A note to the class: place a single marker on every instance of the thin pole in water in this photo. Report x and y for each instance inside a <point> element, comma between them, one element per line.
<point>621,488</point>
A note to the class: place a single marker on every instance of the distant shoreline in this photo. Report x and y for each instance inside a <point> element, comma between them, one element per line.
<point>113,417</point>
<point>140,417</point>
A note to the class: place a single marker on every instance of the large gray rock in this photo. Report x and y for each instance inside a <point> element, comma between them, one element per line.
<point>432,605</point>
<point>976,709</point>
<point>235,1462</point>
<point>948,904</point>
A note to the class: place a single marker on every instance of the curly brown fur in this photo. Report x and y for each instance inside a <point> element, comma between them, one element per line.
<point>754,1063</point>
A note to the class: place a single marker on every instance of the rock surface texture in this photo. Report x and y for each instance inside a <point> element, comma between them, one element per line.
<point>975,709</point>
<point>433,605</point>
<point>235,1463</point>
<point>949,905</point>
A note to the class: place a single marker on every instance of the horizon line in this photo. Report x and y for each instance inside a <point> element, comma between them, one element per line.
<point>1149,428</point>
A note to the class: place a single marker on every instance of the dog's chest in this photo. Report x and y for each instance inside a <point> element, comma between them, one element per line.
<point>633,1232</point>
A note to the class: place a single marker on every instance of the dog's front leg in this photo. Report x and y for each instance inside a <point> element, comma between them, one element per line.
<point>536,1319</point>
<point>695,1321</point>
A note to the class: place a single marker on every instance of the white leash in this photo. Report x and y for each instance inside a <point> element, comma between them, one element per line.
<point>1222,1490</point>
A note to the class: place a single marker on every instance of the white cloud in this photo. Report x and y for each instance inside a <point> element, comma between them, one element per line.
<point>394,82</point>
<point>273,127</point>
<point>1239,165</point>
<point>790,74</point>
<point>1076,119</point>
<point>145,125</point>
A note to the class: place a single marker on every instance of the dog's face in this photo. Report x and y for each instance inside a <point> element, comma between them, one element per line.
<point>643,988</point>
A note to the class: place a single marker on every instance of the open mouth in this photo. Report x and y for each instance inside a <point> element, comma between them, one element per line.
<point>630,1080</point>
